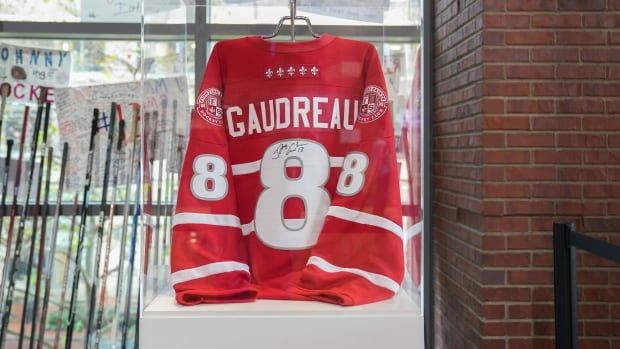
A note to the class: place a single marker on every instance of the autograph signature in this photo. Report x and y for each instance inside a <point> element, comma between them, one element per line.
<point>286,148</point>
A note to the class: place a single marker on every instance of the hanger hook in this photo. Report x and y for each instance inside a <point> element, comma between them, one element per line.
<point>293,9</point>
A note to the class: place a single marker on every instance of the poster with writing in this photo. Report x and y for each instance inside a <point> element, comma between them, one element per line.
<point>129,11</point>
<point>75,113</point>
<point>25,69</point>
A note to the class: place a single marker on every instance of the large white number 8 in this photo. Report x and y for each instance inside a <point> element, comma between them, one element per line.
<point>209,169</point>
<point>313,160</point>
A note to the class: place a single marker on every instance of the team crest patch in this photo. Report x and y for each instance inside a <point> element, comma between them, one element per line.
<point>209,106</point>
<point>374,104</point>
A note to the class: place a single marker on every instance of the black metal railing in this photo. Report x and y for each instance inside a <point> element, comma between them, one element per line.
<point>566,240</point>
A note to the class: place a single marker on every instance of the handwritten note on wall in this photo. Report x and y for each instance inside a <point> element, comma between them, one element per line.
<point>75,112</point>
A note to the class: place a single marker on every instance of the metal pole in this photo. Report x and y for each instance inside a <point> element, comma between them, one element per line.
<point>293,9</point>
<point>565,287</point>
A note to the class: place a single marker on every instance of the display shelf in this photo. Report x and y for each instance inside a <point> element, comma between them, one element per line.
<point>395,323</point>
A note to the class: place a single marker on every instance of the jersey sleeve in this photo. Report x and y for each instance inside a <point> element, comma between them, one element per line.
<point>358,257</point>
<point>209,262</point>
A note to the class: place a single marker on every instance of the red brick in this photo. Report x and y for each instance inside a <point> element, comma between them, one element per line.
<point>506,294</point>
<point>602,123</point>
<point>601,190</point>
<point>580,106</point>
<point>506,89</point>
<point>490,105</point>
<point>581,140</point>
<point>530,5</point>
<point>556,89</point>
<point>492,173</point>
<point>506,156</point>
<point>505,224</point>
<point>611,157</point>
<point>557,157</point>
<point>601,89</point>
<point>493,242</point>
<point>532,71</point>
<point>529,242</point>
<point>614,208</point>
<point>505,21</point>
<point>505,54</point>
<point>530,140</point>
<point>494,5</point>
<point>613,106</point>
<point>530,173</point>
<point>505,190</point>
<point>557,190</point>
<point>529,106</point>
<point>614,4</point>
<point>530,311</point>
<point>530,277</point>
<point>544,328</point>
<point>582,38</point>
<point>602,21</point>
<point>542,259</point>
<point>602,224</point>
<point>579,208</point>
<point>495,329</point>
<point>555,21</point>
<point>599,294</point>
<point>506,259</point>
<point>529,343</point>
<point>594,343</point>
<point>592,311</point>
<point>556,123</point>
<point>493,311</point>
<point>493,38</point>
<point>605,55</point>
<point>493,72</point>
<point>614,38</point>
<point>582,174</point>
<point>529,38</point>
<point>529,207</point>
<point>506,123</point>
<point>580,72</point>
<point>542,294</point>
<point>580,5</point>
<point>555,54</point>
<point>592,277</point>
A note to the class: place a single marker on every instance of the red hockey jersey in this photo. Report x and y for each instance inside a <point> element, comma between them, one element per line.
<point>289,188</point>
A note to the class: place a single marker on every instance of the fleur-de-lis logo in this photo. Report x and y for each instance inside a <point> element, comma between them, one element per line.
<point>269,73</point>
<point>314,70</point>
<point>280,72</point>
<point>291,71</point>
<point>303,70</point>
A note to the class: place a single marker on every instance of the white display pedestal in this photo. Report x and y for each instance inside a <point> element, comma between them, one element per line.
<point>272,324</point>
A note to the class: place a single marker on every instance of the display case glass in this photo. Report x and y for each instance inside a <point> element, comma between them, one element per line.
<point>281,180</point>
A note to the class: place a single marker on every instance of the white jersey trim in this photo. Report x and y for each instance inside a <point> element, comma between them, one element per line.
<point>225,220</point>
<point>377,279</point>
<point>254,166</point>
<point>365,218</point>
<point>207,270</point>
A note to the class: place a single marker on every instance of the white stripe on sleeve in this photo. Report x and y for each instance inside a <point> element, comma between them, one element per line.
<point>377,279</point>
<point>365,218</point>
<point>225,220</point>
<point>413,230</point>
<point>207,270</point>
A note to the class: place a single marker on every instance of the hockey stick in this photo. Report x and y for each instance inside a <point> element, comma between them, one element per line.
<point>169,184</point>
<point>4,94</point>
<point>82,230</point>
<point>128,183</point>
<point>21,227</point>
<point>153,157</point>
<point>9,238</point>
<point>5,184</point>
<point>132,259</point>
<point>37,287</point>
<point>65,277</point>
<point>33,235</point>
<point>101,226</point>
<point>160,183</point>
<point>49,265</point>
<point>5,180</point>
<point>106,259</point>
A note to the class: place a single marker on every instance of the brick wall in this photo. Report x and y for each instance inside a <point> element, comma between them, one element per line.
<point>527,132</point>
